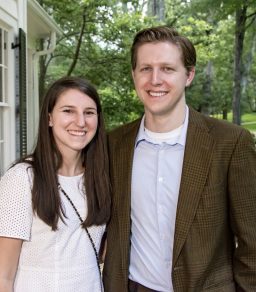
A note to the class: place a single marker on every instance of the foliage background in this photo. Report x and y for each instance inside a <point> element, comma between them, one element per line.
<point>96,40</point>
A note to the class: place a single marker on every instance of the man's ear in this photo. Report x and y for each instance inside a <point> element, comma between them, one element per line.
<point>191,75</point>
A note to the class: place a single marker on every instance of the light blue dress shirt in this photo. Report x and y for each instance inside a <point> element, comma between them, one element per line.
<point>156,176</point>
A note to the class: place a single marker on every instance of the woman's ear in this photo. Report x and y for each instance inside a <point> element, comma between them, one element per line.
<point>50,121</point>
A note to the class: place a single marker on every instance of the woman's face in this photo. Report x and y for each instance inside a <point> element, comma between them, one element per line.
<point>74,121</point>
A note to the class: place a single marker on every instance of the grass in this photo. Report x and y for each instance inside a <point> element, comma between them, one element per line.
<point>249,118</point>
<point>248,121</point>
<point>251,127</point>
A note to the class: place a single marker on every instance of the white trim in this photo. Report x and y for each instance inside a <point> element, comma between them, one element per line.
<point>44,27</point>
<point>37,24</point>
<point>8,144</point>
<point>8,12</point>
<point>37,9</point>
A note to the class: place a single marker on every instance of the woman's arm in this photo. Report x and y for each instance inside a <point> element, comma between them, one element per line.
<point>9,257</point>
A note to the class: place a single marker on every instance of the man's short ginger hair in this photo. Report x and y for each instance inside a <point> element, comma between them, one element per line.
<point>164,34</point>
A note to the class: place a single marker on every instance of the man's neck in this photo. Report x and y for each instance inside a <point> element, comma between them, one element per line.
<point>162,123</point>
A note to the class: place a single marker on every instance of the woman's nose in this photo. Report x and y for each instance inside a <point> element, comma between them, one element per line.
<point>80,119</point>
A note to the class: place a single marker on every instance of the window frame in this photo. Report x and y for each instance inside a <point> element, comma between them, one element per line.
<point>3,93</point>
<point>8,144</point>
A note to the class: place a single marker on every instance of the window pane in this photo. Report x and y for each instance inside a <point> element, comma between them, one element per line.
<point>1,141</point>
<point>5,61</point>
<point>1,160</point>
<point>1,46</point>
<point>1,123</point>
<point>5,93</point>
<point>1,84</point>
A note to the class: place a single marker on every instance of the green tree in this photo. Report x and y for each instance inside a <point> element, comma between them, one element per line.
<point>98,35</point>
<point>96,44</point>
<point>243,12</point>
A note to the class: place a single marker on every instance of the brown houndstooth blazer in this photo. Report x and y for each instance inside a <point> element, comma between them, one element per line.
<point>217,202</point>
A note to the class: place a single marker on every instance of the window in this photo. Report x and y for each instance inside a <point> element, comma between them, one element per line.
<point>1,142</point>
<point>3,92</point>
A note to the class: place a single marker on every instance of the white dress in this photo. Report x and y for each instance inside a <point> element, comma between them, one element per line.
<point>50,261</point>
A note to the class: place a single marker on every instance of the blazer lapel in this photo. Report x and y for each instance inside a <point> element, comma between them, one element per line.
<point>197,158</point>
<point>124,158</point>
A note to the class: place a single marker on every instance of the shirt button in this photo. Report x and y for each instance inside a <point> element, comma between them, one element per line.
<point>160,179</point>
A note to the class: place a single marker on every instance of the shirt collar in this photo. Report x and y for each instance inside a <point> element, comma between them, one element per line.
<point>181,139</point>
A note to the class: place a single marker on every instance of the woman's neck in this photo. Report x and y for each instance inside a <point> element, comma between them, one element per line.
<point>71,166</point>
<point>67,171</point>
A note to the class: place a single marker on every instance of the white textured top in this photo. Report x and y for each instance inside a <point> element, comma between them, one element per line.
<point>54,261</point>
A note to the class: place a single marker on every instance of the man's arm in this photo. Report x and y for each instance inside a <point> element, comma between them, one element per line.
<point>242,194</point>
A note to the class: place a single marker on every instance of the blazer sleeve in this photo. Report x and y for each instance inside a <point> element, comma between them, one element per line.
<point>242,198</point>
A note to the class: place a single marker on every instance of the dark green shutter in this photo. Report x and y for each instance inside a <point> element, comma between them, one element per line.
<point>23,92</point>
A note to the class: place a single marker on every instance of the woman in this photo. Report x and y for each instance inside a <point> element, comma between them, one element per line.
<point>54,203</point>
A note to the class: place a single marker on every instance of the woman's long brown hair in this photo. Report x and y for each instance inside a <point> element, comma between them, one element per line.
<point>46,160</point>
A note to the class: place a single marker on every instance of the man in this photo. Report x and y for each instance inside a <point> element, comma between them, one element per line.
<point>184,185</point>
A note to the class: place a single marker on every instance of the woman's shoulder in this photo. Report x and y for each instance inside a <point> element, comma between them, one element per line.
<point>18,173</point>
<point>15,202</point>
<point>20,167</point>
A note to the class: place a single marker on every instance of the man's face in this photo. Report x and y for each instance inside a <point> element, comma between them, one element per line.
<point>160,79</point>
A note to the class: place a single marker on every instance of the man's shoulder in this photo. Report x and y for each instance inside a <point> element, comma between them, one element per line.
<point>215,125</point>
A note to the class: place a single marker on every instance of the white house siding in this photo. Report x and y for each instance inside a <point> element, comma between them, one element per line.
<point>34,21</point>
<point>9,23</point>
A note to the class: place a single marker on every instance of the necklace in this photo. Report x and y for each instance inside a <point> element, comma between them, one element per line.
<point>87,231</point>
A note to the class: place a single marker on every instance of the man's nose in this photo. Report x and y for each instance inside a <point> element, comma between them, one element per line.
<point>156,77</point>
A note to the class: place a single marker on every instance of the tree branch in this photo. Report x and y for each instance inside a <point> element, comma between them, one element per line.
<point>73,64</point>
<point>251,21</point>
<point>250,15</point>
